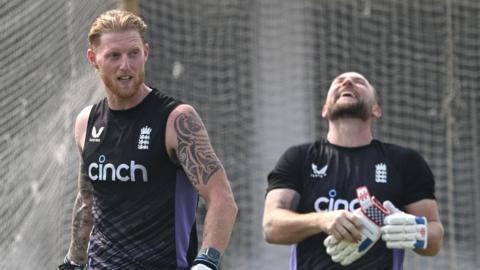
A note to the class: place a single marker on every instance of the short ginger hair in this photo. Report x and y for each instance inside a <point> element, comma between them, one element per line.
<point>115,21</point>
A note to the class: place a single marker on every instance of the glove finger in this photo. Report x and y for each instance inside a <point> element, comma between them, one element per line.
<point>342,253</point>
<point>399,229</point>
<point>400,244</point>
<point>389,205</point>
<point>400,219</point>
<point>330,240</point>
<point>337,257</point>
<point>343,244</point>
<point>351,254</point>
<point>350,258</point>
<point>338,248</point>
<point>333,250</point>
<point>405,219</point>
<point>400,237</point>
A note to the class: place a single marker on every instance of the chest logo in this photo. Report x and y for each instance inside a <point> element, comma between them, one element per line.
<point>125,172</point>
<point>144,138</point>
<point>333,202</point>
<point>95,135</point>
<point>318,173</point>
<point>381,173</point>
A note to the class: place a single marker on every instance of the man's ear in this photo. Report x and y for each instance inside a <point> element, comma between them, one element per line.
<point>376,111</point>
<point>146,49</point>
<point>324,111</point>
<point>91,58</point>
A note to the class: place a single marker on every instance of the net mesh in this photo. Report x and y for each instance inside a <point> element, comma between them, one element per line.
<point>45,81</point>
<point>257,72</point>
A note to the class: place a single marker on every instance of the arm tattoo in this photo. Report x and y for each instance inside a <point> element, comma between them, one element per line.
<point>82,220</point>
<point>194,150</point>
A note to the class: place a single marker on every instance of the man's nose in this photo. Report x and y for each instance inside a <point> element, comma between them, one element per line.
<point>347,82</point>
<point>125,64</point>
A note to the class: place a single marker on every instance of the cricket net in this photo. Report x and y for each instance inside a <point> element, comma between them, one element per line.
<point>257,71</point>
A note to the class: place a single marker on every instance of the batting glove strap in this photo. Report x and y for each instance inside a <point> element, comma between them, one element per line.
<point>69,265</point>
<point>204,260</point>
<point>371,207</point>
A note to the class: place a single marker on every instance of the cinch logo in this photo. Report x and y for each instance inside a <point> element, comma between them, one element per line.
<point>332,204</point>
<point>123,172</point>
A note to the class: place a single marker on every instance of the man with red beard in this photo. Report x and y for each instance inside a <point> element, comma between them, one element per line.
<point>145,159</point>
<point>312,202</point>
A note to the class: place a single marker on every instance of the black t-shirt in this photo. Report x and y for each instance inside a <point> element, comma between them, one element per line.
<point>326,177</point>
<point>144,206</point>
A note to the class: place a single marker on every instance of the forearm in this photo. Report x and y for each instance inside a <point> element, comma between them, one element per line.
<point>286,227</point>
<point>435,239</point>
<point>82,222</point>
<point>219,222</point>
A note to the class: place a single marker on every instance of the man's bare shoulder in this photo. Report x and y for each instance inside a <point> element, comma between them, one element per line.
<point>81,125</point>
<point>181,109</point>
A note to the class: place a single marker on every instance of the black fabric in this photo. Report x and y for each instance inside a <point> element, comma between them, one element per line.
<point>326,177</point>
<point>134,185</point>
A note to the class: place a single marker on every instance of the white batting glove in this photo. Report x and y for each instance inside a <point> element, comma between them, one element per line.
<point>371,214</point>
<point>404,231</point>
<point>345,252</point>
<point>200,267</point>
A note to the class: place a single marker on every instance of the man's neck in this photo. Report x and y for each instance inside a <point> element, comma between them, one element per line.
<point>118,103</point>
<point>349,132</point>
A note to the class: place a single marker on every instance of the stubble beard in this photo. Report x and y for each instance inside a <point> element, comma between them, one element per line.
<point>123,92</point>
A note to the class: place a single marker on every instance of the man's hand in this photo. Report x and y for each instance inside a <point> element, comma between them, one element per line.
<point>69,265</point>
<point>345,252</point>
<point>371,215</point>
<point>404,231</point>
<point>342,225</point>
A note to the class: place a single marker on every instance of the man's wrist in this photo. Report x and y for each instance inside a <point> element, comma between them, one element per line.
<point>68,264</point>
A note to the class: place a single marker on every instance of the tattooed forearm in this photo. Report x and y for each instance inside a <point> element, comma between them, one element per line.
<point>82,222</point>
<point>194,150</point>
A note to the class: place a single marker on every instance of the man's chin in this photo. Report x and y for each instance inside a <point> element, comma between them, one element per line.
<point>346,117</point>
<point>348,114</point>
<point>124,91</point>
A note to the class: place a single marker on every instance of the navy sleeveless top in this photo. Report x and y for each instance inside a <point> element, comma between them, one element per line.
<point>144,206</point>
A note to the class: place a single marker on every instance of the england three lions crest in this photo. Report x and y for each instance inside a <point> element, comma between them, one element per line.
<point>144,138</point>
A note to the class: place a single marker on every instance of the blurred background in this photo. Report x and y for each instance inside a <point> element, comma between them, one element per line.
<point>257,71</point>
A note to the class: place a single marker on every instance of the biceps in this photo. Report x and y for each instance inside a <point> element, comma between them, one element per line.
<point>282,198</point>
<point>427,208</point>
<point>194,151</point>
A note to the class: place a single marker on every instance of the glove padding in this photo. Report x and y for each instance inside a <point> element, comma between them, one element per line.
<point>69,265</point>
<point>345,252</point>
<point>404,231</point>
